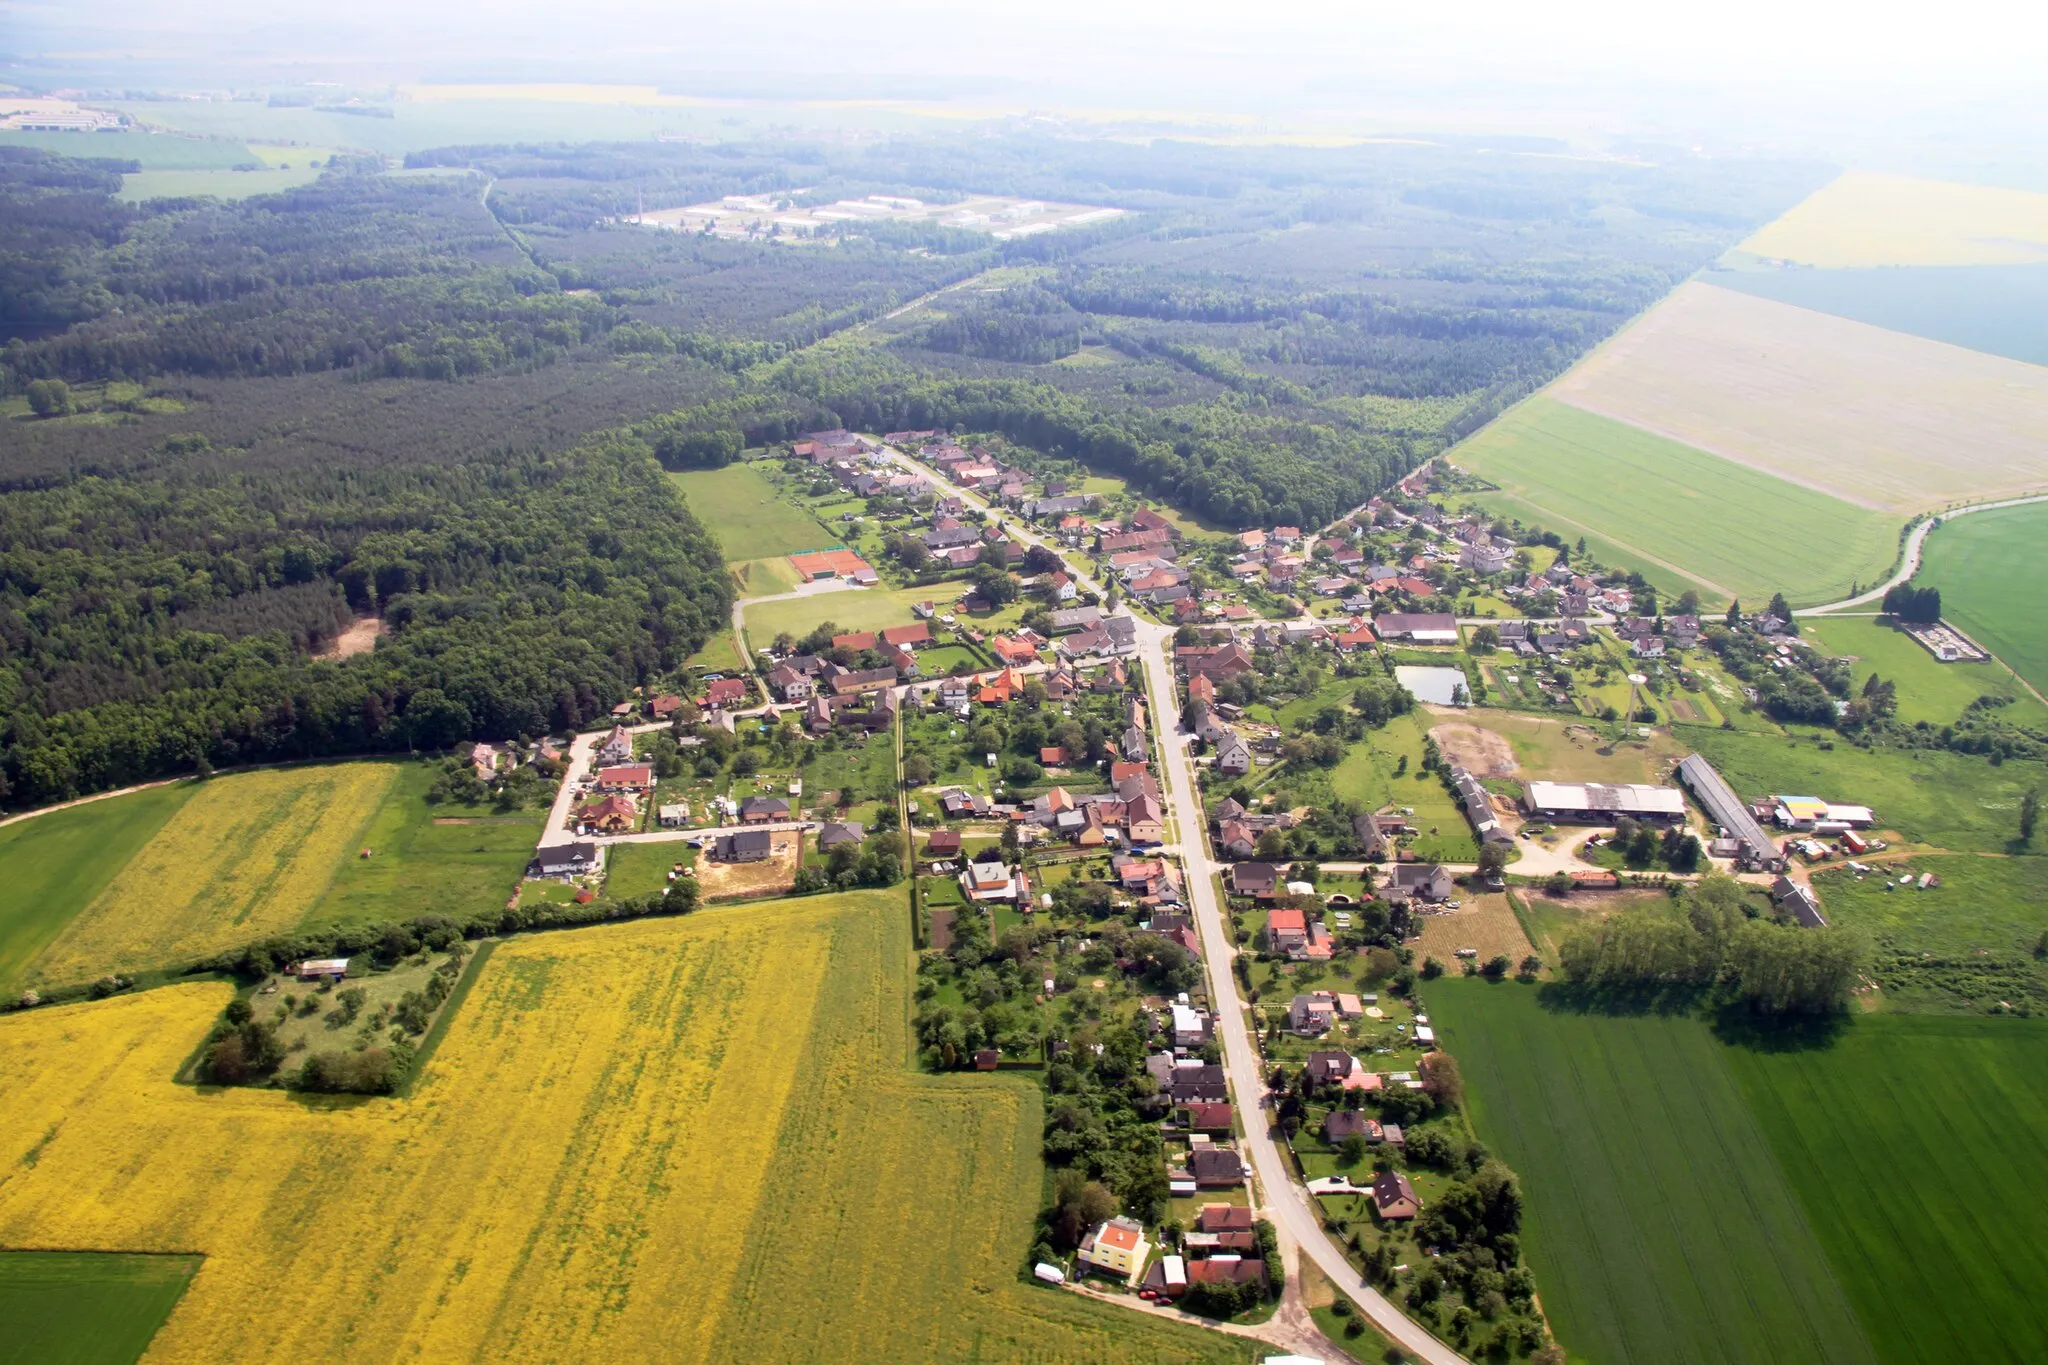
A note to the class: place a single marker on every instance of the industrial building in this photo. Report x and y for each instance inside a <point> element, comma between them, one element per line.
<point>1754,848</point>
<point>1602,803</point>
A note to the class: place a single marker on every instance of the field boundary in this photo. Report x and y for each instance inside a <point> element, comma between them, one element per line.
<point>424,1053</point>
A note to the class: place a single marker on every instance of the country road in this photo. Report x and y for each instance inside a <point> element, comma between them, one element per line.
<point>1909,559</point>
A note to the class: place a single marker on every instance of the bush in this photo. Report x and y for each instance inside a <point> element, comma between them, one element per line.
<point>373,1071</point>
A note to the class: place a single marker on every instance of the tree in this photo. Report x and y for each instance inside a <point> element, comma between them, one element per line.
<point>1733,620</point>
<point>994,584</point>
<point>1485,640</point>
<point>2030,811</point>
<point>917,770</point>
<point>1493,856</point>
<point>1688,603</point>
<point>50,398</point>
<point>1078,1206</point>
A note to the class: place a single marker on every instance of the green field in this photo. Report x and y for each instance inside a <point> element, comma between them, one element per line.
<point>56,864</point>
<point>142,185</point>
<point>1929,690</point>
<point>1966,944</point>
<point>641,869</point>
<point>86,1307</point>
<point>862,609</point>
<point>1659,1228</point>
<point>429,859</point>
<point>1957,802</point>
<point>152,151</point>
<point>1989,567</point>
<point>1639,499</point>
<point>1367,775</point>
<point>750,516</point>
<point>1916,1147</point>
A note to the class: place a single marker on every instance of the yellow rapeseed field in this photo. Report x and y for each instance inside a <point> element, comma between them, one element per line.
<point>678,1139</point>
<point>248,855</point>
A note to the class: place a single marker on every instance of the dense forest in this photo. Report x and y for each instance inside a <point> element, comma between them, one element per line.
<point>440,397</point>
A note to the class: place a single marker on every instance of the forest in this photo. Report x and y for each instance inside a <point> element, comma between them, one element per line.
<point>442,397</point>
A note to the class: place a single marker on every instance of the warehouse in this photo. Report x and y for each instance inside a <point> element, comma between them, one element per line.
<point>1602,803</point>
<point>1726,810</point>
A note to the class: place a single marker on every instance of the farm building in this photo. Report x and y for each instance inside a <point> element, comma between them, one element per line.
<point>1824,817</point>
<point>1422,628</point>
<point>1725,809</point>
<point>1601,803</point>
<point>1797,900</point>
<point>321,969</point>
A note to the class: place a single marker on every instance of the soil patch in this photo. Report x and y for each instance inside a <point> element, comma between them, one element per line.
<point>775,873</point>
<point>359,637</point>
<point>1485,923</point>
<point>942,928</point>
<point>1479,751</point>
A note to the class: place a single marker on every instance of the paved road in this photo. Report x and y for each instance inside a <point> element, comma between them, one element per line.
<point>1909,561</point>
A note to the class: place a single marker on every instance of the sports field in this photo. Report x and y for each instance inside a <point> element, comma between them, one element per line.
<point>1915,1145</point>
<point>1683,516</point>
<point>1865,219</point>
<point>158,878</point>
<point>1884,420</point>
<point>1929,689</point>
<point>719,1138</point>
<point>85,1308</point>
<point>749,514</point>
<point>1658,1227</point>
<point>1957,802</point>
<point>1989,566</point>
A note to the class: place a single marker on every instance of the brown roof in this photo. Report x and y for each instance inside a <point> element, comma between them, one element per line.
<point>1224,1218</point>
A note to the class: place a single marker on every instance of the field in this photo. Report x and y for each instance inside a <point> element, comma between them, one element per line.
<point>58,863</point>
<point>1930,690</point>
<point>153,151</point>
<point>242,857</point>
<point>1950,801</point>
<point>1880,419</point>
<point>856,609</point>
<point>1915,1145</point>
<point>642,869</point>
<point>2001,309</point>
<point>749,515</point>
<point>1682,516</point>
<point>1967,944</point>
<point>1567,751</point>
<point>1366,775</point>
<point>1657,1227</point>
<point>143,185</point>
<point>1863,219</point>
<point>1988,565</point>
<point>1486,923</point>
<point>726,1126</point>
<point>86,1308</point>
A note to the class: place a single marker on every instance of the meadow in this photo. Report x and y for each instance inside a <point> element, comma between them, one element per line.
<point>1675,512</point>
<point>1929,689</point>
<point>1915,1146</point>
<point>749,515</point>
<point>1999,309</point>
<point>1967,944</point>
<point>56,864</point>
<point>860,609</point>
<point>86,1308</point>
<point>1367,774</point>
<point>1957,802</point>
<point>1865,219</point>
<point>1658,1226</point>
<point>243,856</point>
<point>1989,566</point>
<point>718,1130</point>
<point>153,152</point>
<point>230,184</point>
<point>1883,420</point>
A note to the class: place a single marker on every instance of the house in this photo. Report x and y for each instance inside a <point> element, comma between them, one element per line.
<point>1422,628</point>
<point>725,692</point>
<point>627,777</point>
<point>788,683</point>
<point>1168,1277</point>
<point>484,758</point>
<point>1134,747</point>
<point>1233,756</point>
<point>1232,1269</point>
<point>759,810</point>
<point>1310,1016</point>
<point>1212,1117</point>
<point>1332,1068</point>
<point>568,860</point>
<point>1012,651</point>
<point>1224,1218</point>
<point>617,746</point>
<point>991,880</point>
<point>1117,1248</point>
<point>1393,1198</point>
<point>1216,1168</point>
<point>1190,1026</point>
<point>1075,618</point>
<point>1286,931</point>
<point>1415,881</point>
<point>1224,661</point>
<point>744,846</point>
<point>1201,688</point>
<point>1198,1083</point>
<point>610,815</point>
<point>1235,841</point>
<point>1349,1123</point>
<point>866,680</point>
<point>664,707</point>
<point>833,833</point>
<point>912,636</point>
<point>1351,641</point>
<point>673,816</point>
<point>1254,879</point>
<point>943,843</point>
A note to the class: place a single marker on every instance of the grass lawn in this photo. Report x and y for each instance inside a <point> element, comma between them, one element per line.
<point>719,655</point>
<point>54,865</point>
<point>751,517</point>
<point>1989,567</point>
<point>1367,775</point>
<point>1929,690</point>
<point>1570,751</point>
<point>851,610</point>
<point>1966,944</point>
<point>641,869</point>
<point>1950,801</point>
<point>1639,498</point>
<point>765,577</point>
<point>452,860</point>
<point>86,1307</point>
<point>1658,1225</point>
<point>1914,1145</point>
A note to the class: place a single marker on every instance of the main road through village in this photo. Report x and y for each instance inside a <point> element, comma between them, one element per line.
<point>1286,1204</point>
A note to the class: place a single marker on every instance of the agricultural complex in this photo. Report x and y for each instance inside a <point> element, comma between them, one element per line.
<point>1989,566</point>
<point>727,1109</point>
